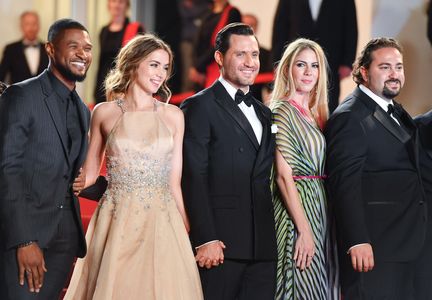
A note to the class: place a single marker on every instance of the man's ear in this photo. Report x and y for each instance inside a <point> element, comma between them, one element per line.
<point>49,48</point>
<point>364,74</point>
<point>218,56</point>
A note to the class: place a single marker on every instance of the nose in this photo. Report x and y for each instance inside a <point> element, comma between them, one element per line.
<point>249,61</point>
<point>308,70</point>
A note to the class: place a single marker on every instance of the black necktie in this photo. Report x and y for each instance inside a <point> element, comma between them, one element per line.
<point>72,124</point>
<point>241,97</point>
<point>396,112</point>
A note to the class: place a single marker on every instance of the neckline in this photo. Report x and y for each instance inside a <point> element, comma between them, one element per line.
<point>302,113</point>
<point>122,104</point>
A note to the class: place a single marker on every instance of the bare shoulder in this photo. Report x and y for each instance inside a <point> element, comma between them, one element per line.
<point>172,115</point>
<point>106,115</point>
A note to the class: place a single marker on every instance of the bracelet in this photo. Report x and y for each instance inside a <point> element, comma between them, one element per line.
<point>25,244</point>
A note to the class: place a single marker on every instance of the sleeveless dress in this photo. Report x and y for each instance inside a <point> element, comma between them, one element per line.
<point>302,145</point>
<point>138,247</point>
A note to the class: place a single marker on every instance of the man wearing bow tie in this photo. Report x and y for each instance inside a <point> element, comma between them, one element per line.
<point>27,57</point>
<point>374,181</point>
<point>228,153</point>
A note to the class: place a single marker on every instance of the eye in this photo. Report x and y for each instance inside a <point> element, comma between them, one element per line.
<point>300,64</point>
<point>384,67</point>
<point>315,66</point>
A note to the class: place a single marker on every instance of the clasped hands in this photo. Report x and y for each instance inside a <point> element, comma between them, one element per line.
<point>210,255</point>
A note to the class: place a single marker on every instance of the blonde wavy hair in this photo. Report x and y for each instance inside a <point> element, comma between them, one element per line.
<point>127,62</point>
<point>284,83</point>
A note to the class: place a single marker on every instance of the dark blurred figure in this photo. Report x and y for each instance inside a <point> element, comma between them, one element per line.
<point>331,23</point>
<point>168,28</point>
<point>27,57</point>
<point>260,91</point>
<point>191,12</point>
<point>423,287</point>
<point>205,70</point>
<point>111,38</point>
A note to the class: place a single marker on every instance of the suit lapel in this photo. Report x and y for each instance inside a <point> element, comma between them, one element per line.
<point>391,125</point>
<point>84,126</point>
<point>224,100</point>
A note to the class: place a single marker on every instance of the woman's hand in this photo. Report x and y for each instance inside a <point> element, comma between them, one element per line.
<point>304,249</point>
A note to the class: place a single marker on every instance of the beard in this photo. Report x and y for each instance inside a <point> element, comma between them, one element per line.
<point>388,93</point>
<point>68,74</point>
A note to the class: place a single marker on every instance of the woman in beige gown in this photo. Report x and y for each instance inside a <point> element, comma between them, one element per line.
<point>138,247</point>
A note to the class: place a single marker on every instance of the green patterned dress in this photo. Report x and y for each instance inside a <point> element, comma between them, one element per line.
<point>302,145</point>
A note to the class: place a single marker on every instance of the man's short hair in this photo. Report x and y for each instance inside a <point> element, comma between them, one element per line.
<point>58,27</point>
<point>365,57</point>
<point>223,36</point>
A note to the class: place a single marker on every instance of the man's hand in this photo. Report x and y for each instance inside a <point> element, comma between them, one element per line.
<point>210,255</point>
<point>79,182</point>
<point>362,258</point>
<point>31,263</point>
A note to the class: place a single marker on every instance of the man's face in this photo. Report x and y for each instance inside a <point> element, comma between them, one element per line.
<point>240,64</point>
<point>30,26</point>
<point>70,55</point>
<point>385,76</point>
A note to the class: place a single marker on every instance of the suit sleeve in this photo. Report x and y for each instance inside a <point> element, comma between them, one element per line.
<point>15,126</point>
<point>350,33</point>
<point>195,172</point>
<point>5,63</point>
<point>346,155</point>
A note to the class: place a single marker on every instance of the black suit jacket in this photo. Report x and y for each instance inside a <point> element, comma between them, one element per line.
<point>424,123</point>
<point>14,62</point>
<point>226,175</point>
<point>34,164</point>
<point>335,29</point>
<point>374,180</point>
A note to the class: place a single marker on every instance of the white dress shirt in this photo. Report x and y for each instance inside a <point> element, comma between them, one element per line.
<point>383,103</point>
<point>32,55</point>
<point>248,111</point>
<point>315,6</point>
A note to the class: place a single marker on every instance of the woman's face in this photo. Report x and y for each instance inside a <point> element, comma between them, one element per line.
<point>118,8</point>
<point>153,71</point>
<point>305,71</point>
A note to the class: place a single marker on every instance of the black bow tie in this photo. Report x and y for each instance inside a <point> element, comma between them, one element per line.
<point>394,110</point>
<point>241,97</point>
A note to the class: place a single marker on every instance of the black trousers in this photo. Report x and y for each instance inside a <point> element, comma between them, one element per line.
<point>59,256</point>
<point>239,280</point>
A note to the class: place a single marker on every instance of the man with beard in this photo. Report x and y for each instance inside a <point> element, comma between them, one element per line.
<point>43,143</point>
<point>228,152</point>
<point>374,181</point>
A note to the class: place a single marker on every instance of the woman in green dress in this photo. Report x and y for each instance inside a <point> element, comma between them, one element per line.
<point>306,259</point>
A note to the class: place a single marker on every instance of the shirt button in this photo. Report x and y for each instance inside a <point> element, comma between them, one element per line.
<point>241,149</point>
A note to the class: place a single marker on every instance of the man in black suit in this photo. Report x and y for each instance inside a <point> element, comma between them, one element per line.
<point>228,153</point>
<point>331,23</point>
<point>43,143</point>
<point>27,57</point>
<point>423,288</point>
<point>374,180</point>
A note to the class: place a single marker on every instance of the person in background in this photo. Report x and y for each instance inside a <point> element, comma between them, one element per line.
<point>191,12</point>
<point>331,23</point>
<point>204,70</point>
<point>111,38</point>
<point>306,259</point>
<point>138,246</point>
<point>27,57</point>
<point>43,143</point>
<point>374,181</point>
<point>260,91</point>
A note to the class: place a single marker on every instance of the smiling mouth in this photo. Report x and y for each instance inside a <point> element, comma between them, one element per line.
<point>80,65</point>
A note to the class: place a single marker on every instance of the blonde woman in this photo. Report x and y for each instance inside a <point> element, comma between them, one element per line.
<point>138,246</point>
<point>299,106</point>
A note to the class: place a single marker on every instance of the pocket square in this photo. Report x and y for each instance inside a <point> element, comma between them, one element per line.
<point>274,128</point>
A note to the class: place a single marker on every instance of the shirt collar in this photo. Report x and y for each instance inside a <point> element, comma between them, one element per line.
<point>231,90</point>
<point>58,86</point>
<point>383,103</point>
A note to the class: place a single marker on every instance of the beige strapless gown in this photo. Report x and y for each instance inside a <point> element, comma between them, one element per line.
<point>138,247</point>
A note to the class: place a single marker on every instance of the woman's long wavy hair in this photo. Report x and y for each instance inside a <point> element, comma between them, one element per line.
<point>124,73</point>
<point>284,85</point>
